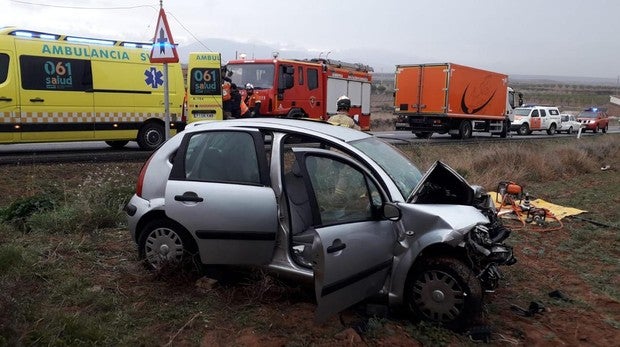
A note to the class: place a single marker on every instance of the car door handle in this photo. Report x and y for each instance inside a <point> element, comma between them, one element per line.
<point>336,246</point>
<point>37,100</point>
<point>4,98</point>
<point>188,197</point>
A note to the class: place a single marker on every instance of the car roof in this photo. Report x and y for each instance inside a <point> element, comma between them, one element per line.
<point>286,124</point>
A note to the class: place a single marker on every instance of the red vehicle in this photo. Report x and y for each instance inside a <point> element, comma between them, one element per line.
<point>304,88</point>
<point>594,119</point>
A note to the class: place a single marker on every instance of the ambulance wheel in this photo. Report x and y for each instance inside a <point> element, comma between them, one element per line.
<point>151,136</point>
<point>117,144</point>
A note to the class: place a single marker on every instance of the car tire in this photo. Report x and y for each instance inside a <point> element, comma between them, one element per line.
<point>117,144</point>
<point>524,129</point>
<point>151,136</point>
<point>163,241</point>
<point>444,290</point>
<point>569,131</point>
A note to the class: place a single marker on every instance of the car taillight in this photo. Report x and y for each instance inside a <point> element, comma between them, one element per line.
<point>140,183</point>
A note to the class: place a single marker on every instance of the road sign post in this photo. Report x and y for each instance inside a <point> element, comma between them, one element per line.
<point>164,51</point>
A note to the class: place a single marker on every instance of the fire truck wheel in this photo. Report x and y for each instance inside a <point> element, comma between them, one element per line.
<point>151,136</point>
<point>117,144</point>
<point>423,135</point>
<point>295,113</point>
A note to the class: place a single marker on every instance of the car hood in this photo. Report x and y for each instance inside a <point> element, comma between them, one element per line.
<point>449,221</point>
<point>442,185</point>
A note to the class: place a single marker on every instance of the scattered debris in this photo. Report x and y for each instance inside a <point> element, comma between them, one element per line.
<point>534,308</point>
<point>606,167</point>
<point>557,294</point>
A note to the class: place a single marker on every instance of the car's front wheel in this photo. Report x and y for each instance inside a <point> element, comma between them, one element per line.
<point>570,130</point>
<point>524,129</point>
<point>164,242</point>
<point>444,290</point>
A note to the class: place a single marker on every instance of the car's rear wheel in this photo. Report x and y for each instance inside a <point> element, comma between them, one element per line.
<point>551,129</point>
<point>570,130</point>
<point>164,242</point>
<point>444,290</point>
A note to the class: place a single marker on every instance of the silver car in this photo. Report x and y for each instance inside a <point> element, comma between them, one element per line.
<point>324,204</point>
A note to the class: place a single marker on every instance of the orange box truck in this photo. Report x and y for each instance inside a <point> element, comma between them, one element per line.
<point>450,98</point>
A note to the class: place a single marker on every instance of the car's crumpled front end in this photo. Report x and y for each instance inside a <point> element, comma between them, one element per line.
<point>445,208</point>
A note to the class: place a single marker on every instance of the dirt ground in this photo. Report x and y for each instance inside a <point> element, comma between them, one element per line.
<point>263,311</point>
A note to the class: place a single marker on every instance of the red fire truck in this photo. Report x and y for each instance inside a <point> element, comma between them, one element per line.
<point>304,88</point>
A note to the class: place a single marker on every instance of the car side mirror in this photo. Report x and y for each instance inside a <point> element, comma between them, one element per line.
<point>391,212</point>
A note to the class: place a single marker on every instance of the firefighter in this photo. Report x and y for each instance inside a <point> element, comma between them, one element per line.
<point>342,118</point>
<point>235,101</point>
<point>226,98</point>
<point>251,100</point>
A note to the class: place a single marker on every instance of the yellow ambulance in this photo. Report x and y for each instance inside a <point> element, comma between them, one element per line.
<point>204,87</point>
<point>65,88</point>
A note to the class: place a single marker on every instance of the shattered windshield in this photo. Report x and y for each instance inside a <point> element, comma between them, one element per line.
<point>403,172</point>
<point>261,76</point>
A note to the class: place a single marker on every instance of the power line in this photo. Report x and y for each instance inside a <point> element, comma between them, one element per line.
<point>189,32</point>
<point>82,7</point>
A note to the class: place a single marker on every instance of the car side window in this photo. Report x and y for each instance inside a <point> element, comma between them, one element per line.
<point>543,113</point>
<point>222,156</point>
<point>343,194</point>
<point>535,113</point>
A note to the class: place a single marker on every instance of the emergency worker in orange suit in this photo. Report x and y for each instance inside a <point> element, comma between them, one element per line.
<point>251,100</point>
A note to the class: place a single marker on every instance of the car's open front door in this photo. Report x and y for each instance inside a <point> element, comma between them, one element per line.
<point>219,190</point>
<point>353,246</point>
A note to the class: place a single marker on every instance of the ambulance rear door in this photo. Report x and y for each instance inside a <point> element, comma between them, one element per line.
<point>9,111</point>
<point>204,87</point>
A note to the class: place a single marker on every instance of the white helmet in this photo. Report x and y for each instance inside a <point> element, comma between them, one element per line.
<point>343,103</point>
<point>249,86</point>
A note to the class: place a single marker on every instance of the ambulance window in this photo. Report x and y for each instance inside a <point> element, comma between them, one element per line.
<point>313,79</point>
<point>4,67</point>
<point>60,74</point>
<point>205,81</point>
<point>300,74</point>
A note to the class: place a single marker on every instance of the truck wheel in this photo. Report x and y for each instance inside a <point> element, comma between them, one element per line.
<point>505,130</point>
<point>444,290</point>
<point>423,134</point>
<point>551,129</point>
<point>465,129</point>
<point>117,144</point>
<point>151,136</point>
<point>524,129</point>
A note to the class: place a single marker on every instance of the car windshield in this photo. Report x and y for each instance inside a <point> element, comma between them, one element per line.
<point>403,172</point>
<point>587,114</point>
<point>259,75</point>
<point>522,111</point>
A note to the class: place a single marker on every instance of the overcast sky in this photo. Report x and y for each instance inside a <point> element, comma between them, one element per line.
<point>526,37</point>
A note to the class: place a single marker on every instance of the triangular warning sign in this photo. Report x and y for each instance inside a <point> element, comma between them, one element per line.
<point>164,49</point>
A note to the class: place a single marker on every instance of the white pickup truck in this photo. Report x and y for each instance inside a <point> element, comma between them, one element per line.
<point>535,118</point>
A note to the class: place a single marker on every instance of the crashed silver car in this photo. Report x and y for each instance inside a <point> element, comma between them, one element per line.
<point>323,204</point>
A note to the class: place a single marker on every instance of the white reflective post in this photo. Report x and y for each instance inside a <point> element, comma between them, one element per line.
<point>166,103</point>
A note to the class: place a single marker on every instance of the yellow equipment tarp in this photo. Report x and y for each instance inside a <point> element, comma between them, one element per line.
<point>558,211</point>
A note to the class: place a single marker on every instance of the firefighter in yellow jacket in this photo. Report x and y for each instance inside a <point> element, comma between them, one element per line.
<point>342,118</point>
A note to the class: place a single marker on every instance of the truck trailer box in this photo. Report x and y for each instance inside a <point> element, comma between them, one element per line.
<point>450,89</point>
